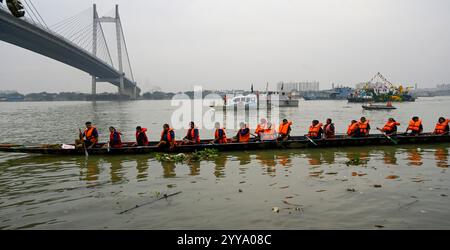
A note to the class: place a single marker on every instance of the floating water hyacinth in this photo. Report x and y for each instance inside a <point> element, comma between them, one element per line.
<point>206,154</point>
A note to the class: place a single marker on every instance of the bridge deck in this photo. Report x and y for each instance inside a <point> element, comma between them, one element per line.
<point>48,43</point>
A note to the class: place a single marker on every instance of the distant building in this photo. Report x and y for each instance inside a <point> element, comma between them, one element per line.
<point>443,86</point>
<point>298,86</point>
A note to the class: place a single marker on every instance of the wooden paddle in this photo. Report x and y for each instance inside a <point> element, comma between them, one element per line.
<point>387,136</point>
<point>309,139</point>
<point>84,144</point>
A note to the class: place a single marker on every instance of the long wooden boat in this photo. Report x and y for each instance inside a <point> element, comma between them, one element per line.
<point>296,142</point>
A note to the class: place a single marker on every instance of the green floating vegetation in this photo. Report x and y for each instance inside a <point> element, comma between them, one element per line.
<point>206,154</point>
<point>357,162</point>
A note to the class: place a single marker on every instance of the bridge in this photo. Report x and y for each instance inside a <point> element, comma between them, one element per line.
<point>74,42</point>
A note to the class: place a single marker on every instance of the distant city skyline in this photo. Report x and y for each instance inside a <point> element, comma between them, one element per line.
<point>233,44</point>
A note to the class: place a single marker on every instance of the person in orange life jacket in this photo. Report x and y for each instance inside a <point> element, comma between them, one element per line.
<point>442,127</point>
<point>415,125</point>
<point>353,129</point>
<point>220,136</point>
<point>141,136</point>
<point>315,130</point>
<point>167,137</point>
<point>269,133</point>
<point>284,131</point>
<point>364,127</point>
<point>90,135</point>
<point>243,135</point>
<point>262,126</point>
<point>115,138</point>
<point>390,128</point>
<point>329,129</point>
<point>192,136</point>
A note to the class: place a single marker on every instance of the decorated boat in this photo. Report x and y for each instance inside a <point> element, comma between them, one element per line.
<point>296,142</point>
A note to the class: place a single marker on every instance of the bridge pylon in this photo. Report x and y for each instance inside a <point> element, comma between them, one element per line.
<point>119,33</point>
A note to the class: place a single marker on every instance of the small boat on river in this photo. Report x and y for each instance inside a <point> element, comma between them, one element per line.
<point>378,107</point>
<point>296,142</point>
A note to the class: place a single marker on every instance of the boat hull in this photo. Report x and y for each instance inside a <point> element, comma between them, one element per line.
<point>368,107</point>
<point>298,142</point>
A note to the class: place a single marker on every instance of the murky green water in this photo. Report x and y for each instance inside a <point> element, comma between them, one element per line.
<point>313,188</point>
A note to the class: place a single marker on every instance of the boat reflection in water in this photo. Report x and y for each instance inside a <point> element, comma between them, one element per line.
<point>441,156</point>
<point>96,170</point>
<point>415,157</point>
<point>142,164</point>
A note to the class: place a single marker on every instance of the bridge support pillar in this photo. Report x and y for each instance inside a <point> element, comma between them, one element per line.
<point>94,86</point>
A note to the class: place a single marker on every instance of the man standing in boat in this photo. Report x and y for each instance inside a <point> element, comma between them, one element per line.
<point>167,137</point>
<point>89,136</point>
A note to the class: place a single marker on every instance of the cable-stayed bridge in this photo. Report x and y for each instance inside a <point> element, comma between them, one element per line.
<point>78,41</point>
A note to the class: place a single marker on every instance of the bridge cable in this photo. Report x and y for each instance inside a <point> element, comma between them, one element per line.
<point>126,50</point>
<point>32,13</point>
<point>31,2</point>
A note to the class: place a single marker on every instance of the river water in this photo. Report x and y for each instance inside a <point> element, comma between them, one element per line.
<point>313,188</point>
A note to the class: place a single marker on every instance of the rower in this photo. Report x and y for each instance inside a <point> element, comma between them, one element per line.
<point>220,136</point>
<point>415,125</point>
<point>269,133</point>
<point>262,126</point>
<point>141,136</point>
<point>90,135</point>
<point>192,136</point>
<point>353,129</point>
<point>442,127</point>
<point>167,137</point>
<point>329,129</point>
<point>390,128</point>
<point>364,127</point>
<point>243,135</point>
<point>115,138</point>
<point>284,131</point>
<point>315,130</point>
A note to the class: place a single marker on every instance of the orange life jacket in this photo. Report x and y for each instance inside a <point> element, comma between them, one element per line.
<point>169,135</point>
<point>390,126</point>
<point>441,128</point>
<point>314,130</point>
<point>284,128</point>
<point>222,139</point>
<point>244,137</point>
<point>89,136</point>
<point>261,128</point>
<point>191,133</point>
<point>352,128</point>
<point>414,126</point>
<point>363,127</point>
<point>145,138</point>
<point>115,143</point>
<point>268,134</point>
<point>329,133</point>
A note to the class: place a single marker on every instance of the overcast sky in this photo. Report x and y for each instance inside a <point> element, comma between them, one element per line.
<point>175,44</point>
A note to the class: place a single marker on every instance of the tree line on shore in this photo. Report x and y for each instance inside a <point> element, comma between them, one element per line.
<point>76,96</point>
